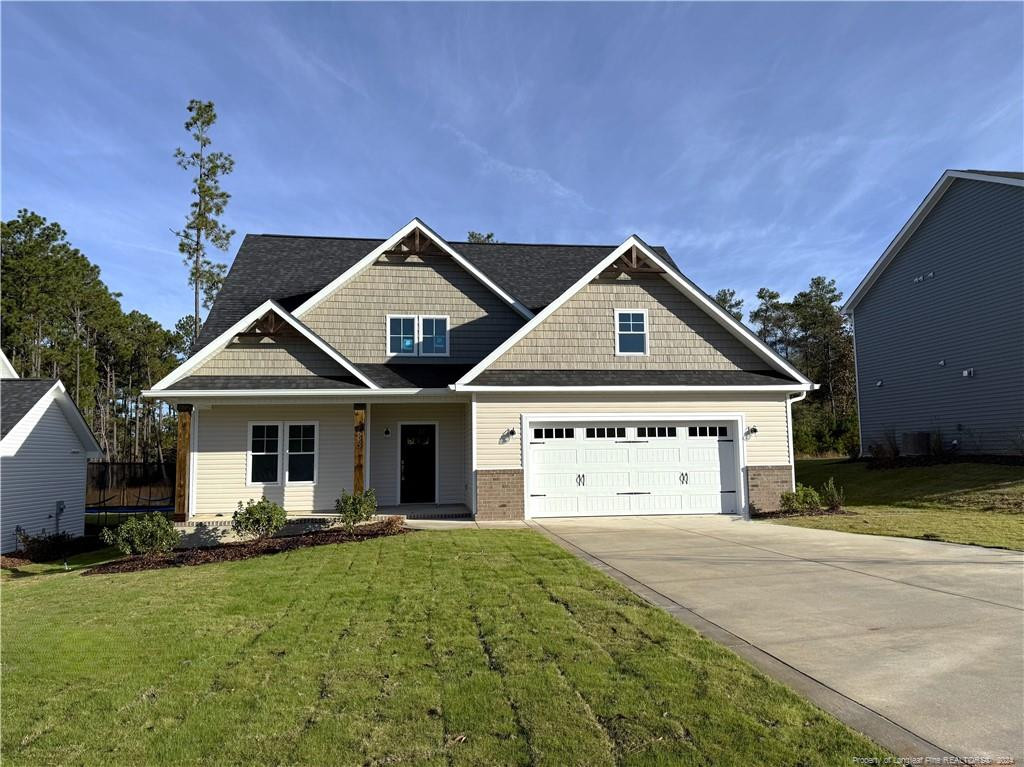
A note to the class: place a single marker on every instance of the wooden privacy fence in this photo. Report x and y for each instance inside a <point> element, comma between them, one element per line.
<point>130,485</point>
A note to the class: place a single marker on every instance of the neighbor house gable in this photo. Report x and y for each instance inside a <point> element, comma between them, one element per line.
<point>914,222</point>
<point>633,273</point>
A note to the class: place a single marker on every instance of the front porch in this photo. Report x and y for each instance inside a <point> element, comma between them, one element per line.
<point>414,454</point>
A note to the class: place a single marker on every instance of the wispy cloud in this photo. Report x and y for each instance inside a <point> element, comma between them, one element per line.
<point>540,181</point>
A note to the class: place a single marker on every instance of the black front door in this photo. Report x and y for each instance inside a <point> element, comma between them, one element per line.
<point>417,468</point>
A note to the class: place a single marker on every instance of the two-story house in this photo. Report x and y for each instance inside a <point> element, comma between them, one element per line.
<point>503,380</point>
<point>938,323</point>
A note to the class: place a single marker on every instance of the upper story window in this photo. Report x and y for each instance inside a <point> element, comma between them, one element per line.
<point>414,335</point>
<point>630,331</point>
<point>402,335</point>
<point>434,336</point>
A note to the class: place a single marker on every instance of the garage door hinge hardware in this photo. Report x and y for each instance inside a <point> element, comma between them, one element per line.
<point>581,480</point>
<point>631,441</point>
<point>634,492</point>
<point>538,495</point>
<point>684,478</point>
<point>729,491</point>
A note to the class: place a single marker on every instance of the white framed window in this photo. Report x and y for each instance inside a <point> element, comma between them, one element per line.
<point>302,453</point>
<point>263,456</point>
<point>402,335</point>
<point>433,336</point>
<point>630,332</point>
<point>655,432</point>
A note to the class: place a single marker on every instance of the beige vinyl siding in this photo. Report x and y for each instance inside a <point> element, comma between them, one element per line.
<point>43,471</point>
<point>353,318</point>
<point>452,425</point>
<point>280,356</point>
<point>580,334</point>
<point>496,413</point>
<point>221,450</point>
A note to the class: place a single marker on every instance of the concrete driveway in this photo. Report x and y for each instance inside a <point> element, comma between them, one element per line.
<point>917,643</point>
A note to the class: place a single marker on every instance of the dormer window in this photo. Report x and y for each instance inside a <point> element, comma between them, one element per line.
<point>434,336</point>
<point>630,332</point>
<point>402,335</point>
<point>417,335</point>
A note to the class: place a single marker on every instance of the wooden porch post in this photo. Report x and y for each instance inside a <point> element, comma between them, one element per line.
<point>181,463</point>
<point>359,446</point>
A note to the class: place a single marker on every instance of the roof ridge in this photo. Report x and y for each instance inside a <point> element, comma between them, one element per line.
<point>451,242</point>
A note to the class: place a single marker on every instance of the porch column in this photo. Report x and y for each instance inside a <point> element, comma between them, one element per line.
<point>181,463</point>
<point>359,446</point>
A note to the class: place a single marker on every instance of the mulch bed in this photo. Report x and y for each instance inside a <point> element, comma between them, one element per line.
<point>13,561</point>
<point>818,513</point>
<point>230,552</point>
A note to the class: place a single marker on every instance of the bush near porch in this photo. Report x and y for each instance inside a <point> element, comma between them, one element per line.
<point>470,647</point>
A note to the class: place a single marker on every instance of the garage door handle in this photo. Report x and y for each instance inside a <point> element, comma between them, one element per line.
<point>684,478</point>
<point>581,480</point>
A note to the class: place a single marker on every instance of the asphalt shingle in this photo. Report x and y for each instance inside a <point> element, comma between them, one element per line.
<point>17,397</point>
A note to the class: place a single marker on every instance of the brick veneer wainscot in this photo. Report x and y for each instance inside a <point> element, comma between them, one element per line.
<point>766,484</point>
<point>499,494</point>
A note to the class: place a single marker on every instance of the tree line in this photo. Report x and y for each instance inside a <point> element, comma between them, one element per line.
<point>61,321</point>
<point>811,333</point>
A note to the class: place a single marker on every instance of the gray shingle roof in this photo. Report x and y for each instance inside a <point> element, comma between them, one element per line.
<point>629,378</point>
<point>215,383</point>
<point>17,396</point>
<point>290,269</point>
<point>1000,173</point>
<point>412,376</point>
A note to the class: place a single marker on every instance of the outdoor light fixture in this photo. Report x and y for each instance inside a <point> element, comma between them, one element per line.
<point>750,432</point>
<point>387,432</point>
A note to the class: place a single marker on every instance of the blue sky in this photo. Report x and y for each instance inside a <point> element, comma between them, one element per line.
<point>761,144</point>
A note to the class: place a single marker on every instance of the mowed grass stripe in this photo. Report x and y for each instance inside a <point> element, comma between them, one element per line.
<point>465,647</point>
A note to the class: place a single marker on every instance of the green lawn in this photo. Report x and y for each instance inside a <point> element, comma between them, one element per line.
<point>469,647</point>
<point>974,503</point>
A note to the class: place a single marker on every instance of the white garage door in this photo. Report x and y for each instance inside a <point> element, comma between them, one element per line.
<point>615,468</point>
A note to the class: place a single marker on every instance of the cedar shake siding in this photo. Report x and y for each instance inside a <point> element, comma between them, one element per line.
<point>290,355</point>
<point>353,319</point>
<point>950,301</point>
<point>580,334</point>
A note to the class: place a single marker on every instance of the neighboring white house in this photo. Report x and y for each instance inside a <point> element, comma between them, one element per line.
<point>45,445</point>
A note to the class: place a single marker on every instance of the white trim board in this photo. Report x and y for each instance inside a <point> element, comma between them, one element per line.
<point>919,215</point>
<point>742,333</point>
<point>390,243</point>
<point>681,388</point>
<point>221,341</point>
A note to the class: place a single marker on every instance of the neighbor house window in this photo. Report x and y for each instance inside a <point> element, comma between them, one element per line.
<point>301,453</point>
<point>402,335</point>
<point>264,453</point>
<point>434,336</point>
<point>630,331</point>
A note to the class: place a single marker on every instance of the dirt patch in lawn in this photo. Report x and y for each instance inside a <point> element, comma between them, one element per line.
<point>819,513</point>
<point>230,552</point>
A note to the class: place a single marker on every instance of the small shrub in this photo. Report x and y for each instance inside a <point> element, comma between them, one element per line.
<point>144,534</point>
<point>353,509</point>
<point>803,501</point>
<point>392,525</point>
<point>832,495</point>
<point>258,519</point>
<point>43,547</point>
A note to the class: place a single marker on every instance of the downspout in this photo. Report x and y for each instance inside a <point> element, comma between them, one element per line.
<point>789,425</point>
